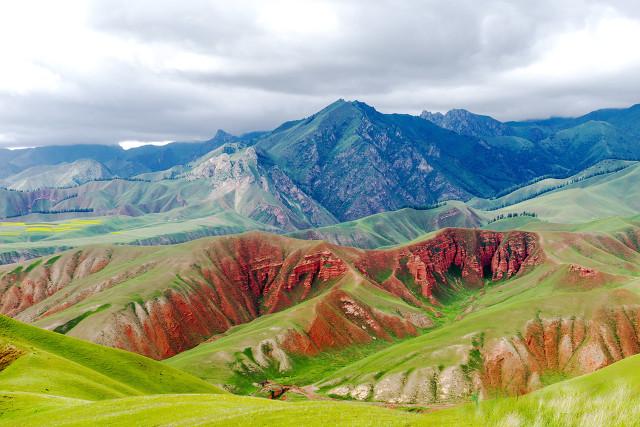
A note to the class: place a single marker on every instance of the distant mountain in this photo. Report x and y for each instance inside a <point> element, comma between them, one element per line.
<point>230,178</point>
<point>571,144</point>
<point>59,175</point>
<point>345,162</point>
<point>465,122</point>
<point>121,162</point>
<point>357,161</point>
<point>238,179</point>
<point>583,141</point>
<point>626,119</point>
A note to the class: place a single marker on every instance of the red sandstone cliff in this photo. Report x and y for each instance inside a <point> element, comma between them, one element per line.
<point>475,255</point>
<point>571,346</point>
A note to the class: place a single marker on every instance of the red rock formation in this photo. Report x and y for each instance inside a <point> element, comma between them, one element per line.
<point>322,266</point>
<point>341,320</point>
<point>21,289</point>
<point>475,254</point>
<point>246,278</point>
<point>570,346</point>
<point>222,282</point>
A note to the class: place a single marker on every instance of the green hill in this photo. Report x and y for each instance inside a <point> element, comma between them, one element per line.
<point>601,196</point>
<point>606,397</point>
<point>393,228</point>
<point>44,362</point>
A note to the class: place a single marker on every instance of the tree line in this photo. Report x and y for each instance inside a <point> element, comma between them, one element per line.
<point>53,211</point>
<point>555,187</point>
<point>513,215</point>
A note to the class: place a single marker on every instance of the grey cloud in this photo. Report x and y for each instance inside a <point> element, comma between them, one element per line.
<point>401,56</point>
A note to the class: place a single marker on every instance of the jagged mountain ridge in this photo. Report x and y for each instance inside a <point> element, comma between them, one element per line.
<point>347,161</point>
<point>465,122</point>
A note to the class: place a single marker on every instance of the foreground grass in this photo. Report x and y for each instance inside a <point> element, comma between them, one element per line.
<point>227,410</point>
<point>53,364</point>
<point>607,397</point>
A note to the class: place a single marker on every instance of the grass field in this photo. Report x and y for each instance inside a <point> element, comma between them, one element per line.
<point>53,364</point>
<point>606,397</point>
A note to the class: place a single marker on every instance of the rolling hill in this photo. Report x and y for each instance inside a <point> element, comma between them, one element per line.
<point>605,396</point>
<point>35,361</point>
<point>431,322</point>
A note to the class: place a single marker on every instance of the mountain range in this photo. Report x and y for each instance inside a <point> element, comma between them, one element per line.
<point>345,162</point>
<point>441,269</point>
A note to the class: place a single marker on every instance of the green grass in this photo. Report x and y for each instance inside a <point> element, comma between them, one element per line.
<point>393,228</point>
<point>66,327</point>
<point>54,364</point>
<point>606,397</point>
<point>189,410</point>
<point>305,370</point>
<point>594,198</point>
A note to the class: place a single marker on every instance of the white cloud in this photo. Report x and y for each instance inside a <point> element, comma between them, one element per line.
<point>127,145</point>
<point>18,148</point>
<point>297,18</point>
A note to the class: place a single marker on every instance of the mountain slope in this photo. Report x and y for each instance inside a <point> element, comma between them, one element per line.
<point>605,396</point>
<point>600,196</point>
<point>170,299</point>
<point>59,175</point>
<point>395,227</point>
<point>356,161</point>
<point>230,178</point>
<point>345,162</point>
<point>464,122</point>
<point>38,361</point>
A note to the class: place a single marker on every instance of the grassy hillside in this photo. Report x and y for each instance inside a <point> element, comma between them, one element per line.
<point>393,228</point>
<point>609,195</point>
<point>39,361</point>
<point>189,410</point>
<point>37,236</point>
<point>606,397</point>
<point>57,376</point>
<point>546,185</point>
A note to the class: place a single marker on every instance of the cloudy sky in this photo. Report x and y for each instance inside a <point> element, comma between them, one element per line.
<point>108,71</point>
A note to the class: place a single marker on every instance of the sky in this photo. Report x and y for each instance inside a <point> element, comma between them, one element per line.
<point>108,71</point>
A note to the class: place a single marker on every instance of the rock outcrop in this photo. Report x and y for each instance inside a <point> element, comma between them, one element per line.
<point>434,264</point>
<point>259,278</point>
<point>565,346</point>
<point>27,285</point>
<point>424,386</point>
<point>546,349</point>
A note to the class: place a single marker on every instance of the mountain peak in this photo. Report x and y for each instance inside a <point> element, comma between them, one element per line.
<point>222,134</point>
<point>342,103</point>
<point>465,122</point>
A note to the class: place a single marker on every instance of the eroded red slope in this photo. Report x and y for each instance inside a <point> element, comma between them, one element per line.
<point>214,284</point>
<point>472,255</point>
